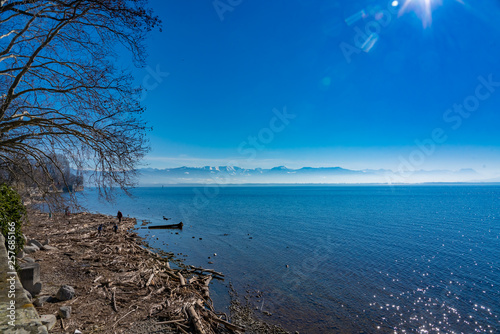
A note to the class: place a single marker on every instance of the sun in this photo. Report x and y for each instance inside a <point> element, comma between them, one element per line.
<point>423,9</point>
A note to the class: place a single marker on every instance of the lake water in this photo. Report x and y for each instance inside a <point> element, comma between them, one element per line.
<point>361,259</point>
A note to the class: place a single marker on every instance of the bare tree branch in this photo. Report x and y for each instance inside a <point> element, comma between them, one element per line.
<point>61,96</point>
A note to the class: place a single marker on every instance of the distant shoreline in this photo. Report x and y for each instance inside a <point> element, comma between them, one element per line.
<point>316,184</point>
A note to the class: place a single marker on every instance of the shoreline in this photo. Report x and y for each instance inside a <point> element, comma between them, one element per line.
<point>121,285</point>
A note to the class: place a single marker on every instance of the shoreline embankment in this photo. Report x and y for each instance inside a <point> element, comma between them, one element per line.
<point>120,284</point>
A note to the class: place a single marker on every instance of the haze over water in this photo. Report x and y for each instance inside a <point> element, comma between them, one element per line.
<point>367,259</point>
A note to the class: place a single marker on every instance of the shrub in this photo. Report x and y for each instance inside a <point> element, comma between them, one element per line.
<point>12,212</point>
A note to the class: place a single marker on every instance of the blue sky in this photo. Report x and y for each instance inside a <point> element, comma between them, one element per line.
<point>324,83</point>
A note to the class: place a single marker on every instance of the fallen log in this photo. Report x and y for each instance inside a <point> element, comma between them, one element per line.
<point>195,319</point>
<point>170,226</point>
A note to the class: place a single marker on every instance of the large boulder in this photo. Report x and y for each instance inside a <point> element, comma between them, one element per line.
<point>65,292</point>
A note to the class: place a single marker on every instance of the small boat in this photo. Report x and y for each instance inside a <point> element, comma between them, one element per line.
<point>179,226</point>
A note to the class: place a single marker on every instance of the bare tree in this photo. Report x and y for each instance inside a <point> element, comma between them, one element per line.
<point>61,92</point>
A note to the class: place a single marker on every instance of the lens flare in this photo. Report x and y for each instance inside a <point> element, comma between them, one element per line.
<point>423,9</point>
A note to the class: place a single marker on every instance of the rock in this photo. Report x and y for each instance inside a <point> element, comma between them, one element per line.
<point>37,287</point>
<point>65,292</point>
<point>29,259</point>
<point>65,312</point>
<point>42,330</point>
<point>49,248</point>
<point>46,242</point>
<point>215,254</point>
<point>28,294</point>
<point>20,255</point>
<point>49,320</point>
<point>30,249</point>
<point>77,332</point>
<point>34,242</point>
<point>29,275</point>
<point>210,262</point>
<point>42,300</point>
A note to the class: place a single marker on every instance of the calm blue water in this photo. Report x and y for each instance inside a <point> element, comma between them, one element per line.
<point>367,259</point>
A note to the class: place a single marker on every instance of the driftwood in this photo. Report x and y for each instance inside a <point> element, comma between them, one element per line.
<point>123,317</point>
<point>205,289</point>
<point>195,319</point>
<point>228,325</point>
<point>147,250</point>
<point>179,328</point>
<point>150,279</point>
<point>113,300</point>
<point>182,280</point>
<point>171,321</point>
<point>207,271</point>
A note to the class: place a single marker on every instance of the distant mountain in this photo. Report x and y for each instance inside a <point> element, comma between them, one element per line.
<point>282,175</point>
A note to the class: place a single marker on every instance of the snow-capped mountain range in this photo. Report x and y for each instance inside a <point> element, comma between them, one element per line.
<point>305,175</point>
